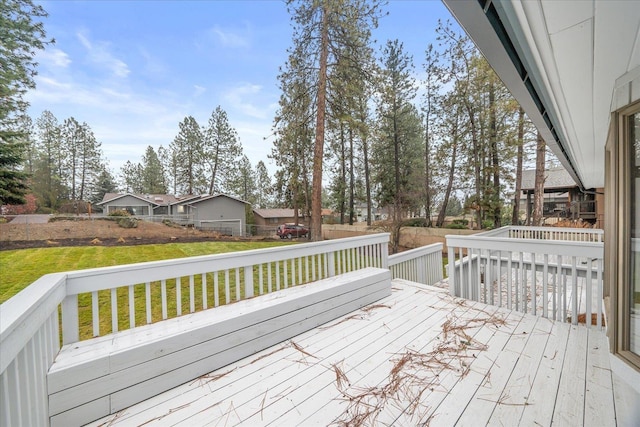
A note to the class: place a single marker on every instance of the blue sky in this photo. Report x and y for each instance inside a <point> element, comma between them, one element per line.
<point>133,70</point>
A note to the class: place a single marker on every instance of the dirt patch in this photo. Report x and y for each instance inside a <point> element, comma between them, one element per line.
<point>98,232</point>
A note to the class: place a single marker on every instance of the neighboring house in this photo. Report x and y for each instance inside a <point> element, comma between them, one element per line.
<point>137,204</point>
<point>574,67</point>
<point>219,212</point>
<point>274,217</point>
<point>563,198</point>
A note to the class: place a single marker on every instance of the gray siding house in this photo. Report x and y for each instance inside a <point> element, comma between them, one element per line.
<point>137,204</point>
<point>220,212</point>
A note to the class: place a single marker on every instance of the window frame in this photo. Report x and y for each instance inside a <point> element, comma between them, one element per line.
<point>618,174</point>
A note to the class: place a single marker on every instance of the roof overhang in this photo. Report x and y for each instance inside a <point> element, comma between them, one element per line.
<point>120,196</point>
<point>560,60</point>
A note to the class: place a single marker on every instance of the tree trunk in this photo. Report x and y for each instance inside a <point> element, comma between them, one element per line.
<point>318,149</point>
<point>351,178</point>
<point>447,193</point>
<point>538,199</point>
<point>515,216</point>
<point>343,174</point>
<point>367,177</point>
<point>476,163</point>
<point>495,167</point>
<point>427,173</point>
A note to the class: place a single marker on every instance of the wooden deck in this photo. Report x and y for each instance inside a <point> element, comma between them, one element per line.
<point>414,358</point>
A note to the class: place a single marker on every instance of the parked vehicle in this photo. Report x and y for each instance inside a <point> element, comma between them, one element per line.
<point>289,231</point>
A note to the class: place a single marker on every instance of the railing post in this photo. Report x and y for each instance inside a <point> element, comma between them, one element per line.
<point>70,325</point>
<point>422,270</point>
<point>248,281</point>
<point>331,264</point>
<point>452,270</point>
<point>384,254</point>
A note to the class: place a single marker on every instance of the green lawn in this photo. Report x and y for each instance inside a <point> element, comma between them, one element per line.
<point>21,267</point>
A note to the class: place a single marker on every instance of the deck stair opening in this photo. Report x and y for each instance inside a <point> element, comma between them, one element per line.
<point>100,376</point>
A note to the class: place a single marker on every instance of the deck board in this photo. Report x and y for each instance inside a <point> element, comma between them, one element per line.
<point>569,408</point>
<point>504,367</point>
<point>544,390</point>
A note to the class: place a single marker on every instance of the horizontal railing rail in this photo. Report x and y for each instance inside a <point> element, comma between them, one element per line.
<point>421,265</point>
<point>553,233</point>
<point>547,271</point>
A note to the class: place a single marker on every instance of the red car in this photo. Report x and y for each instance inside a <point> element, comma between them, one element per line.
<point>290,231</point>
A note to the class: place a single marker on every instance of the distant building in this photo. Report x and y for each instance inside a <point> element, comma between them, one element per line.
<point>563,198</point>
<point>219,212</point>
<point>274,217</point>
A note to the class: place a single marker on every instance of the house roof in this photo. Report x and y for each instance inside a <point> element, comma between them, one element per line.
<point>165,199</point>
<point>555,178</point>
<point>184,199</point>
<point>213,196</point>
<point>277,213</point>
<point>154,199</point>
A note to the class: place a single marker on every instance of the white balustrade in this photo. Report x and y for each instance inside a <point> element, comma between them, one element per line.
<point>104,300</point>
<point>126,296</point>
<point>540,270</point>
<point>421,265</point>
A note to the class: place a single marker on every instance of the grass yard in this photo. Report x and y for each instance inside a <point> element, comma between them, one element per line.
<point>19,268</point>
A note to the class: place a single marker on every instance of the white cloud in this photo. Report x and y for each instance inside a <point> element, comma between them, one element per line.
<point>229,38</point>
<point>198,90</point>
<point>100,55</point>
<point>53,57</point>
<point>243,97</point>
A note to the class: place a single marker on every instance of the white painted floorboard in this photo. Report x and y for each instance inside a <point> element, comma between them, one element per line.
<point>418,356</point>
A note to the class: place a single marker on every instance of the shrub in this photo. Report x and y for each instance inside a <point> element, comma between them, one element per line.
<point>120,212</point>
<point>456,226</point>
<point>127,222</point>
<point>487,224</point>
<point>45,210</point>
<point>416,222</point>
<point>461,221</point>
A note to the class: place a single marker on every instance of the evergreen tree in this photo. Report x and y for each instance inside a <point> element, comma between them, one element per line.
<point>220,150</point>
<point>152,176</point>
<point>242,182</point>
<point>47,181</point>
<point>13,182</point>
<point>293,146</point>
<point>105,183</point>
<point>264,187</point>
<point>431,109</point>
<point>186,157</point>
<point>21,35</point>
<point>131,177</point>
<point>324,31</point>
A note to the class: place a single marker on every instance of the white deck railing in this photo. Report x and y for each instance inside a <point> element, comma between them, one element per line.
<point>421,265</point>
<point>552,272</point>
<point>105,300</point>
<point>548,233</point>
